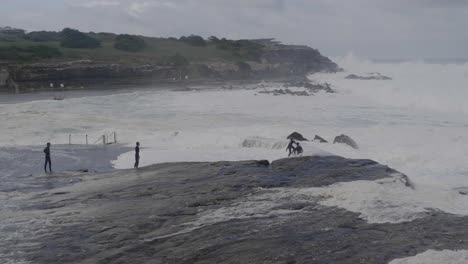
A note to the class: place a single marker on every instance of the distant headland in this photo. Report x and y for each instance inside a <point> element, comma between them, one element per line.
<point>44,60</point>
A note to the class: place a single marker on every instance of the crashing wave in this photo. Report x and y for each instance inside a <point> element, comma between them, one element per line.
<point>259,142</point>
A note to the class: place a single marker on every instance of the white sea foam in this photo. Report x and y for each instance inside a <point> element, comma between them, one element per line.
<point>436,257</point>
<point>383,201</point>
<point>389,201</point>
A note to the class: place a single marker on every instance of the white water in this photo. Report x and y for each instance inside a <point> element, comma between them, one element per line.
<point>416,123</point>
<point>436,257</point>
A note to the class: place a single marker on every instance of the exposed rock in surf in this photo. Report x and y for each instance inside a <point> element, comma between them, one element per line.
<point>369,76</point>
<point>308,87</point>
<point>344,139</point>
<point>311,87</point>
<point>320,139</point>
<point>285,92</point>
<point>296,136</point>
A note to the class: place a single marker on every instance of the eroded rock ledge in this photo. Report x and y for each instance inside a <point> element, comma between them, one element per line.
<point>221,212</point>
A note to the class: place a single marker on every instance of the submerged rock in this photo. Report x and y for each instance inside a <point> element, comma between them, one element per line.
<point>297,136</point>
<point>344,139</point>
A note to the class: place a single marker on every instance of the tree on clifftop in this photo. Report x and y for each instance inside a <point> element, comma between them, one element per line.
<point>194,40</point>
<point>129,43</point>
<point>41,36</point>
<point>72,38</point>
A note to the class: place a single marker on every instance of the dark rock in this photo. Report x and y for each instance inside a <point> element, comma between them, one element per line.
<point>311,87</point>
<point>286,91</point>
<point>265,163</point>
<point>344,139</point>
<point>213,218</point>
<point>320,139</point>
<point>371,76</point>
<point>297,136</point>
<point>462,190</point>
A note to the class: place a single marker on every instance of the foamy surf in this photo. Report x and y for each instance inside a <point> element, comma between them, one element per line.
<point>415,123</point>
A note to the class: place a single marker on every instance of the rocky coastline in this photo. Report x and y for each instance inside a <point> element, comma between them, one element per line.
<point>278,62</point>
<point>217,212</point>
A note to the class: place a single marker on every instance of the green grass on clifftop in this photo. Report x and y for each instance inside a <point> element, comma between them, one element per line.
<point>155,51</point>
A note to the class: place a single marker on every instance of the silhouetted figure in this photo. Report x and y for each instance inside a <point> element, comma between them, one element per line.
<point>47,158</point>
<point>137,155</point>
<point>291,147</point>
<point>299,149</point>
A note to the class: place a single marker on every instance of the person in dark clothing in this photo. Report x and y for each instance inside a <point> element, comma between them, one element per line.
<point>137,155</point>
<point>291,147</point>
<point>47,158</point>
<point>299,149</point>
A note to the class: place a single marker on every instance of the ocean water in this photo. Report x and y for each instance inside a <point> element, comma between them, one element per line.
<point>416,123</point>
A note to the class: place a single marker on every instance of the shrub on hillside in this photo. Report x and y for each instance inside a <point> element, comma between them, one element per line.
<point>177,60</point>
<point>245,49</point>
<point>29,53</point>
<point>8,38</point>
<point>41,36</point>
<point>194,40</point>
<point>129,43</point>
<point>72,38</point>
<point>104,36</point>
<point>213,39</point>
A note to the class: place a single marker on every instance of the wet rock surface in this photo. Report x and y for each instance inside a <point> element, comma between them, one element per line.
<point>220,212</point>
<point>22,168</point>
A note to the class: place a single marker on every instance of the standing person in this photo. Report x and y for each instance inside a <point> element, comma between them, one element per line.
<point>291,147</point>
<point>137,155</point>
<point>47,158</point>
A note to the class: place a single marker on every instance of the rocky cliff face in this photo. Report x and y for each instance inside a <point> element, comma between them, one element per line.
<point>294,59</point>
<point>277,61</point>
<point>79,74</point>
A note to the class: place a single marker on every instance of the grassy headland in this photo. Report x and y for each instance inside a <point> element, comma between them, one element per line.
<point>37,60</point>
<point>42,46</point>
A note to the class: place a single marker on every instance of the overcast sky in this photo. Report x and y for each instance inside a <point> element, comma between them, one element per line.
<point>385,29</point>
